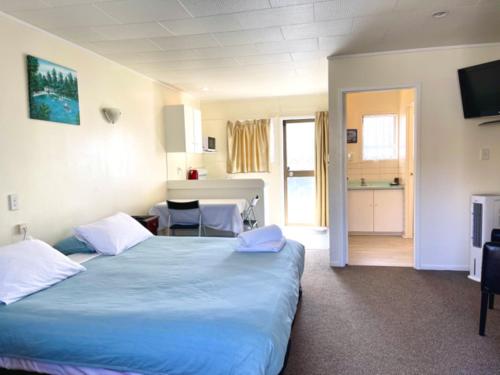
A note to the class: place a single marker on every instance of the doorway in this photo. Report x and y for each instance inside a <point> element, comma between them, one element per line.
<point>380,176</point>
<point>299,165</point>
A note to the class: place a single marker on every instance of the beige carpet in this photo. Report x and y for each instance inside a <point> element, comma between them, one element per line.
<point>387,320</point>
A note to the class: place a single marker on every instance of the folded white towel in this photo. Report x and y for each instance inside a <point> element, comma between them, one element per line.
<point>260,235</point>
<point>265,247</point>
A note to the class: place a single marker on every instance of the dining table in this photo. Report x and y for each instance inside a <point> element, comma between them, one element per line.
<point>224,214</point>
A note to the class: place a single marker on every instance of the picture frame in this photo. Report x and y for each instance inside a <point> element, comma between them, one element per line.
<point>52,92</point>
<point>352,135</point>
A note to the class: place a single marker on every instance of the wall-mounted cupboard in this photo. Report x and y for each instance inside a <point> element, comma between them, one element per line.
<point>183,129</point>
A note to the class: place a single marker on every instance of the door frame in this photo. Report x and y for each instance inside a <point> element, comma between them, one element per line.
<point>339,237</point>
<point>285,167</point>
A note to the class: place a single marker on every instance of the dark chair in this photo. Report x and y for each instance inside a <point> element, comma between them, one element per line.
<point>490,276</point>
<point>184,215</point>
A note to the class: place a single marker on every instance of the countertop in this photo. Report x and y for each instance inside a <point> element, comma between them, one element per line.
<point>228,183</point>
<point>373,185</point>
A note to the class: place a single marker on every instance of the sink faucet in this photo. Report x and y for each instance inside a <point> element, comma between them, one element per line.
<point>363,181</point>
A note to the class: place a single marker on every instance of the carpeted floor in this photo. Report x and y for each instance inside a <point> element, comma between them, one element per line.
<point>386,320</point>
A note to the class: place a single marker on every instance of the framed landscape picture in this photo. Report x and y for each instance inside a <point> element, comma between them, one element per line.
<point>53,92</point>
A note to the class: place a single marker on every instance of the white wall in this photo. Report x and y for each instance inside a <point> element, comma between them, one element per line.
<point>67,175</point>
<point>215,115</point>
<point>450,169</point>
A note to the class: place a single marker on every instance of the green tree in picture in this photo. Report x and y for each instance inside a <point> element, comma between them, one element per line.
<point>35,83</point>
<point>42,112</point>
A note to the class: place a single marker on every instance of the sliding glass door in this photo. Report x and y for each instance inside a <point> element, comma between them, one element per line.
<point>299,162</point>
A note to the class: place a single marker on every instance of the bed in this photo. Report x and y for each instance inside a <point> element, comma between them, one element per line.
<point>166,306</point>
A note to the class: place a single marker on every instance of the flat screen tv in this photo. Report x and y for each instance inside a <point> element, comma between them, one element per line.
<point>480,89</point>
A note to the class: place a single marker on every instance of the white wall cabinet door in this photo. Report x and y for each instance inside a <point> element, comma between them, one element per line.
<point>183,131</point>
<point>197,132</point>
<point>388,210</point>
<point>189,128</point>
<point>360,204</point>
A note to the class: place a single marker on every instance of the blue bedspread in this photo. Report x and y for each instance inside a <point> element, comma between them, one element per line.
<point>166,306</point>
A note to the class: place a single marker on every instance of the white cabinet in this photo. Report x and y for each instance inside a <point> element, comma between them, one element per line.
<point>183,129</point>
<point>388,210</point>
<point>376,210</point>
<point>360,203</point>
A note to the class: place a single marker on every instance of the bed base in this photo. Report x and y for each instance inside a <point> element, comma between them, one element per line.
<point>20,372</point>
<point>290,339</point>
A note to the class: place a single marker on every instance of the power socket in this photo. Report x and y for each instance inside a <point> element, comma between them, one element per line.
<point>22,228</point>
<point>13,202</point>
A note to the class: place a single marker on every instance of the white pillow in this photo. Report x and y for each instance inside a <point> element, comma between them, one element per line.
<point>29,266</point>
<point>114,234</point>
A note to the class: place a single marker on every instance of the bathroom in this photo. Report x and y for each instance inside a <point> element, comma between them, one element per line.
<point>380,172</point>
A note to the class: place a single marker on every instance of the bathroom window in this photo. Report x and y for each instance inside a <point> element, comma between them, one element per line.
<point>380,137</point>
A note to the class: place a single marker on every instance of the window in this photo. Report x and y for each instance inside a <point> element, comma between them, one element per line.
<point>380,137</point>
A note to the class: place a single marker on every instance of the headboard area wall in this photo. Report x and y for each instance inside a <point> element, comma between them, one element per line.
<point>67,174</point>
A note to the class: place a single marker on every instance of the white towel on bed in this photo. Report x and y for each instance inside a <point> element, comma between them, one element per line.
<point>269,238</point>
<point>265,247</point>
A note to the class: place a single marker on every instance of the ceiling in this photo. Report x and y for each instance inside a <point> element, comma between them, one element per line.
<point>252,48</point>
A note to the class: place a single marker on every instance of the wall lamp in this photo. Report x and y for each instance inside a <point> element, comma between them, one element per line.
<point>112,115</point>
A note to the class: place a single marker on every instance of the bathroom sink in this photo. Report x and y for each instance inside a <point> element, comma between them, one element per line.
<point>373,185</point>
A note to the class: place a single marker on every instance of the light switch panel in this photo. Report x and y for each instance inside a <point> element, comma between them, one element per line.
<point>485,154</point>
<point>13,202</point>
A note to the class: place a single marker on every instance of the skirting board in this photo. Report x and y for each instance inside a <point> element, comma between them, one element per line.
<point>336,264</point>
<point>444,267</point>
<point>428,267</point>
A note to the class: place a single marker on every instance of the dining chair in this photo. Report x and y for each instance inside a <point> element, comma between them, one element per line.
<point>490,277</point>
<point>249,219</point>
<point>184,215</point>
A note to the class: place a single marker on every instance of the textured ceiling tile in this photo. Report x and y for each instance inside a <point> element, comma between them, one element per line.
<point>202,25</point>
<point>78,34</point>
<point>200,8</point>
<point>265,64</point>
<point>71,16</point>
<point>433,5</point>
<point>317,29</point>
<point>143,10</point>
<point>265,59</point>
<point>57,3</point>
<point>249,36</point>
<point>277,17</point>
<point>306,56</point>
<point>348,44</point>
<point>232,51</point>
<point>331,44</point>
<point>11,5</point>
<point>132,31</point>
<point>287,3</point>
<point>186,42</point>
<point>154,56</point>
<point>351,8</point>
<point>381,25</point>
<point>288,46</point>
<point>186,65</point>
<point>117,46</point>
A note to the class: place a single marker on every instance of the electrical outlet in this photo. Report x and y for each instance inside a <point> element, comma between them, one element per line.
<point>22,228</point>
<point>13,202</point>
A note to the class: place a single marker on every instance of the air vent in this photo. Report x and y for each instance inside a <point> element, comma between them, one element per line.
<point>477,224</point>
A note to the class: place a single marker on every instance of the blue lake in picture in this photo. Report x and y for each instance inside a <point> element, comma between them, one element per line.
<point>61,109</point>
